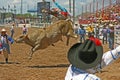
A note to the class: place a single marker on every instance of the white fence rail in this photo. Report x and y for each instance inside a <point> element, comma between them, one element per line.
<point>38,25</point>
<point>117,37</point>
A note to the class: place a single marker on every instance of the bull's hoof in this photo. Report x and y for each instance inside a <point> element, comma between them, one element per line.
<point>61,40</point>
<point>53,45</point>
<point>67,44</point>
<point>29,58</point>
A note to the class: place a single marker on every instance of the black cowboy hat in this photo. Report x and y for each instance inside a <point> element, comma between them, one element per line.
<point>85,55</point>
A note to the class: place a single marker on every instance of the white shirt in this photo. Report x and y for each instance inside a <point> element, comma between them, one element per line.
<point>77,76</point>
<point>3,40</point>
<point>107,58</point>
<point>24,29</point>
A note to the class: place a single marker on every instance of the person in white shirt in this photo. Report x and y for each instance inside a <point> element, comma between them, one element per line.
<point>76,27</point>
<point>88,58</point>
<point>24,29</point>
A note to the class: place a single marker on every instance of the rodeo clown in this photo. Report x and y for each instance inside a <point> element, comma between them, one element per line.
<point>5,48</point>
<point>87,58</point>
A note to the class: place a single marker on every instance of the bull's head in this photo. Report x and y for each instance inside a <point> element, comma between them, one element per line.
<point>70,30</point>
<point>20,38</point>
<point>71,34</point>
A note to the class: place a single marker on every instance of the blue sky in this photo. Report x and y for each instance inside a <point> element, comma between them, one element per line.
<point>32,4</point>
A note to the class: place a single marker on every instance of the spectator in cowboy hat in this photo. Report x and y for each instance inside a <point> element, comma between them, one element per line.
<point>87,58</point>
<point>104,33</point>
<point>5,39</point>
<point>97,30</point>
<point>111,36</point>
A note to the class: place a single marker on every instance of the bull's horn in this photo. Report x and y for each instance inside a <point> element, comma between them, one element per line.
<point>75,36</point>
<point>68,19</point>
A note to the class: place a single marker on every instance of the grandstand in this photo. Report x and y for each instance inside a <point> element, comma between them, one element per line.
<point>106,10</point>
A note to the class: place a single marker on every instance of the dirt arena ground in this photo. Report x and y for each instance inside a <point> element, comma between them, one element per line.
<point>48,64</point>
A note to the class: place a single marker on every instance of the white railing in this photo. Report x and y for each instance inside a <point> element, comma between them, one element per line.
<point>40,25</point>
<point>117,37</point>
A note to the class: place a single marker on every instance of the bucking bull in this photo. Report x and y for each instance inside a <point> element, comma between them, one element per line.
<point>42,38</point>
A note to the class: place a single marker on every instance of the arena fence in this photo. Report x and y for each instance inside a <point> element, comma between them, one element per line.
<point>117,37</point>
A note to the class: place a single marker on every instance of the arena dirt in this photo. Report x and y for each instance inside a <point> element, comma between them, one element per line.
<point>48,64</point>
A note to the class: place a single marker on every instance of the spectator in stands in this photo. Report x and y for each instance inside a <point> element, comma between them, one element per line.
<point>90,30</point>
<point>82,33</point>
<point>111,36</point>
<point>117,25</point>
<point>104,33</point>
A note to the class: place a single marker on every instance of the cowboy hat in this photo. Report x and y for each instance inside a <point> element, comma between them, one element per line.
<point>3,30</point>
<point>97,24</point>
<point>85,55</point>
<point>111,25</point>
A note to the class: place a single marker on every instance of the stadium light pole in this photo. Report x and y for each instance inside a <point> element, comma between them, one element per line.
<point>86,11</point>
<point>116,2</point>
<point>90,9</point>
<point>73,11</point>
<point>102,8</point>
<point>70,6</point>
<point>82,11</point>
<point>14,12</point>
<point>110,3</point>
<point>97,9</point>
<point>21,6</point>
<point>93,6</point>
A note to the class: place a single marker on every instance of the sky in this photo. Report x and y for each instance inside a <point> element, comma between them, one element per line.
<point>32,4</point>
